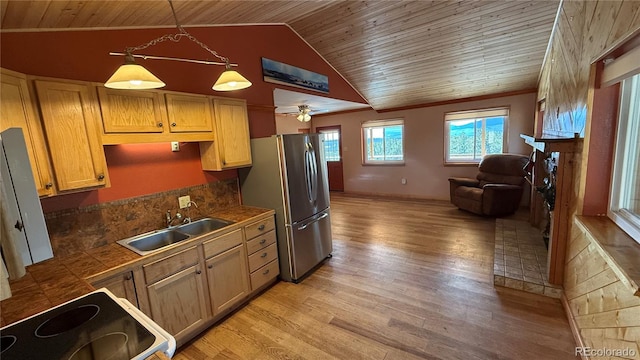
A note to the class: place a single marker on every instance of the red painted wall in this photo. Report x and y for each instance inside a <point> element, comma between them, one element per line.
<point>148,168</point>
<point>139,169</point>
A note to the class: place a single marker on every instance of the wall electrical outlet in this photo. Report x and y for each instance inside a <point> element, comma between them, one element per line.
<point>184,201</point>
<point>175,146</point>
<point>403,181</point>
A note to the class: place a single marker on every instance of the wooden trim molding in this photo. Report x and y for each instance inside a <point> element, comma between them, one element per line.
<point>261,107</point>
<point>575,330</point>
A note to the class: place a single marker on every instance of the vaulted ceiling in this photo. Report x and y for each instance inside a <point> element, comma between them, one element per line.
<point>395,53</point>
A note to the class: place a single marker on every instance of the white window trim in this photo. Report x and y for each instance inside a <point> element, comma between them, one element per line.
<point>627,221</point>
<point>471,115</point>
<point>380,123</point>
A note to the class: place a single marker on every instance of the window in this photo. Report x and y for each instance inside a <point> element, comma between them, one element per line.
<point>624,208</point>
<point>382,142</point>
<point>331,144</point>
<point>470,135</point>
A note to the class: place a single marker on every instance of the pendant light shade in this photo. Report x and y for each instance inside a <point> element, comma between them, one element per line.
<point>231,80</point>
<point>133,76</point>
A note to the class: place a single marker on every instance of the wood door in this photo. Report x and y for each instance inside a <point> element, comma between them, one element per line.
<point>332,145</point>
<point>189,113</point>
<point>17,110</point>
<point>70,118</point>
<point>228,278</point>
<point>178,302</point>
<point>121,285</point>
<point>132,111</point>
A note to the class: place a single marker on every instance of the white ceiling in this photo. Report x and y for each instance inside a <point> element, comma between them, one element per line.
<point>287,102</point>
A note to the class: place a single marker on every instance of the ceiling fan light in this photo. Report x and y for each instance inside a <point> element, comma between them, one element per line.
<point>133,76</point>
<point>231,80</point>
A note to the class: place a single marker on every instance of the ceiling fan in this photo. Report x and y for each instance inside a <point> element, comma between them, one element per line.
<point>304,112</point>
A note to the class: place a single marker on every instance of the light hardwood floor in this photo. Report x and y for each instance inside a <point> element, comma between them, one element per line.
<point>409,279</point>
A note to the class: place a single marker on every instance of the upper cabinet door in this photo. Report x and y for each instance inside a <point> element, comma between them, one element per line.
<point>70,119</point>
<point>132,111</point>
<point>232,132</point>
<point>17,111</point>
<point>189,113</point>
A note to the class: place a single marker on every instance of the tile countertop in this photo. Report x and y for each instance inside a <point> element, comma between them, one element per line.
<point>60,279</point>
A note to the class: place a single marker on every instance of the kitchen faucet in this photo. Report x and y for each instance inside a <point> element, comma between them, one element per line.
<point>170,218</point>
<point>188,218</point>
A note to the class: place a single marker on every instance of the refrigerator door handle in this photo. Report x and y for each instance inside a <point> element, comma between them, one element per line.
<point>308,175</point>
<point>313,221</point>
<point>314,173</point>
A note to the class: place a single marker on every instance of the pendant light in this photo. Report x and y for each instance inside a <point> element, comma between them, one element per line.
<point>134,76</point>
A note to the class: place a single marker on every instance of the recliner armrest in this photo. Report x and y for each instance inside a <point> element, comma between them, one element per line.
<point>464,182</point>
<point>499,187</point>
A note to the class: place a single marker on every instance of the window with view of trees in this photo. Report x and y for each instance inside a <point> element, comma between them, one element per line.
<point>383,142</point>
<point>331,144</point>
<point>470,135</point>
<point>625,190</point>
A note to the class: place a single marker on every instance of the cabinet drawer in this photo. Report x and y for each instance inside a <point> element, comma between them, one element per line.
<point>261,242</point>
<point>264,274</point>
<point>170,265</point>
<point>222,243</point>
<point>259,227</point>
<point>258,259</point>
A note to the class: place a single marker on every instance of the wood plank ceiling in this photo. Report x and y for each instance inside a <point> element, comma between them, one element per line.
<point>395,53</point>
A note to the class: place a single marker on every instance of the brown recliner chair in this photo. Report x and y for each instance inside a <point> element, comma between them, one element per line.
<point>497,189</point>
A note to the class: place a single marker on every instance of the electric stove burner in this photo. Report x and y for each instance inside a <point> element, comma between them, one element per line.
<point>108,347</point>
<point>67,320</point>
<point>97,326</point>
<point>6,342</point>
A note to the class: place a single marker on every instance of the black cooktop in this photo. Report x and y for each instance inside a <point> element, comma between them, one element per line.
<point>93,327</point>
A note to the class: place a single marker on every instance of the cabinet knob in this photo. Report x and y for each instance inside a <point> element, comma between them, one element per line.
<point>173,124</point>
<point>159,124</point>
<point>263,241</point>
<point>198,272</point>
<point>265,272</point>
<point>210,266</point>
<point>261,227</point>
<point>101,177</point>
<point>128,277</point>
<point>48,186</point>
<point>264,255</point>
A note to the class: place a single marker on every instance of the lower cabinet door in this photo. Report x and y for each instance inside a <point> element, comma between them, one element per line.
<point>228,278</point>
<point>121,285</point>
<point>178,303</point>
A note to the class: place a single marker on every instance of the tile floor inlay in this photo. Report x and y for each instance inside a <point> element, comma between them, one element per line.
<point>520,259</point>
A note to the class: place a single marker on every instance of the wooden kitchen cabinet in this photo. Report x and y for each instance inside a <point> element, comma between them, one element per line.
<point>17,110</point>
<point>70,118</point>
<point>231,147</point>
<point>189,113</point>
<point>121,285</point>
<point>227,272</point>
<point>131,111</point>
<point>262,252</point>
<point>178,301</point>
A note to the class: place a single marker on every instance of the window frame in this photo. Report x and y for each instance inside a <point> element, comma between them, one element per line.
<point>328,129</point>
<point>381,124</point>
<point>474,115</point>
<point>627,221</point>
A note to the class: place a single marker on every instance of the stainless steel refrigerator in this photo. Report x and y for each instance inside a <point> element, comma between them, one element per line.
<point>289,175</point>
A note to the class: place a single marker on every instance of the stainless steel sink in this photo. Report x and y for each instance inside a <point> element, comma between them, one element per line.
<point>203,226</point>
<point>149,242</point>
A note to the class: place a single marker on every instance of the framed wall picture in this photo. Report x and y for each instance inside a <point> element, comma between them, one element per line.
<point>284,74</point>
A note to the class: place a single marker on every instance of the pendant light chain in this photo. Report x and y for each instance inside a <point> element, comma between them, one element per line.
<point>176,38</point>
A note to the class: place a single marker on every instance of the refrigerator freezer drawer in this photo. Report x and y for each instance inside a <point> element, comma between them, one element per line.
<point>309,243</point>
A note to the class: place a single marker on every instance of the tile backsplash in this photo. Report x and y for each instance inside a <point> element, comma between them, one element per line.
<point>81,229</point>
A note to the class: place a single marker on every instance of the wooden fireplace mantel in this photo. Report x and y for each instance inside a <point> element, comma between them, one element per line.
<point>560,221</point>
